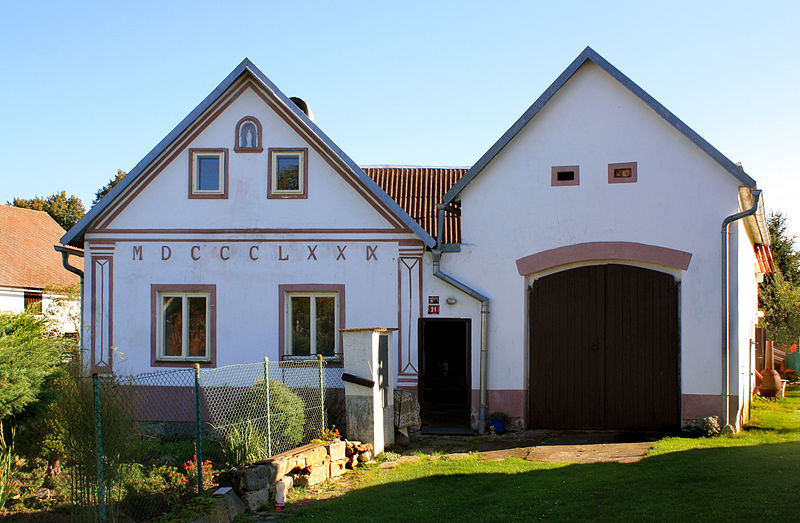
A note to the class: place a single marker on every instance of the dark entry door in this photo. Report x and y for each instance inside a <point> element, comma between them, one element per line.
<point>444,374</point>
<point>604,349</point>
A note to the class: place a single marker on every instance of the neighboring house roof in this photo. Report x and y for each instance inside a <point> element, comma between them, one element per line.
<point>589,54</point>
<point>75,234</point>
<point>27,257</point>
<point>418,190</point>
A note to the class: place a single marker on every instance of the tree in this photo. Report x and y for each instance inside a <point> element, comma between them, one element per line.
<point>66,210</point>
<point>779,295</point>
<point>30,362</point>
<point>110,185</point>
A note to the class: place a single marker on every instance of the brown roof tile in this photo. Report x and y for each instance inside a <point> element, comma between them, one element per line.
<point>417,190</point>
<point>27,258</point>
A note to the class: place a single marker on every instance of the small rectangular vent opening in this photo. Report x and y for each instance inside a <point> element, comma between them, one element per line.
<point>623,172</point>
<point>565,176</point>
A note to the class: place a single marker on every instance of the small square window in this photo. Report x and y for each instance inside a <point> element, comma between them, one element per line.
<point>288,173</point>
<point>208,173</point>
<point>565,175</point>
<point>622,172</point>
<point>33,299</point>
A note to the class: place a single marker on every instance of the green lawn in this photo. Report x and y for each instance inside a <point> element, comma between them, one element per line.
<point>752,476</point>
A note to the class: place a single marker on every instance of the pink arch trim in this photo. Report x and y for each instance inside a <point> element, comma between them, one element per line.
<point>581,252</point>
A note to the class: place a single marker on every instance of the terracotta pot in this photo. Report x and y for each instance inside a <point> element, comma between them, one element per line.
<point>771,382</point>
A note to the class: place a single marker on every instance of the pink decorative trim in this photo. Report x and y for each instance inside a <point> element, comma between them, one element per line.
<point>583,252</point>
<point>102,275</point>
<point>555,182</point>
<point>309,287</point>
<point>626,165</point>
<point>201,196</point>
<point>260,147</point>
<point>303,152</point>
<point>511,401</point>
<point>211,289</point>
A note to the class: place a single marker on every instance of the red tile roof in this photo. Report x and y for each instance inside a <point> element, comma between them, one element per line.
<point>418,190</point>
<point>27,258</point>
<point>764,258</point>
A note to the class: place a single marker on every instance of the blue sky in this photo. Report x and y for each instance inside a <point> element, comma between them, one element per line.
<point>89,88</point>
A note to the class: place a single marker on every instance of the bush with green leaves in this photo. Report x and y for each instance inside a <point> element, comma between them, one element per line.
<point>31,361</point>
<point>244,432</point>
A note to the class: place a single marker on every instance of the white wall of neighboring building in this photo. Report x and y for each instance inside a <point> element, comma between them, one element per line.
<point>63,312</point>
<point>510,211</point>
<point>744,305</point>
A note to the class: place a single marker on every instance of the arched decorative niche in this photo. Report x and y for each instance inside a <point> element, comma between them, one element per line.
<point>248,136</point>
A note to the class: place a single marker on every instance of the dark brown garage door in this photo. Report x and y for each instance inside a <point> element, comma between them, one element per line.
<point>605,349</point>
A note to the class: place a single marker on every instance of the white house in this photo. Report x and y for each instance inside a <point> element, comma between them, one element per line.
<point>577,283</point>
<point>31,272</point>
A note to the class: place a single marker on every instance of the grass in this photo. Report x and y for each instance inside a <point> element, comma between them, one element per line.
<point>753,475</point>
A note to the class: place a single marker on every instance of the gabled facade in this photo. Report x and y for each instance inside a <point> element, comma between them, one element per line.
<point>246,233</point>
<point>592,227</point>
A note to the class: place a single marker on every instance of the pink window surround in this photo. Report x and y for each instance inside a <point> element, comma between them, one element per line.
<point>259,147</point>
<point>211,289</point>
<point>214,196</point>
<point>583,252</point>
<point>303,152</point>
<point>285,289</point>
<point>555,182</point>
<point>633,178</point>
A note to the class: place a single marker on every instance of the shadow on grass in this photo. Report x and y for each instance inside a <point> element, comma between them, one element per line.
<point>732,484</point>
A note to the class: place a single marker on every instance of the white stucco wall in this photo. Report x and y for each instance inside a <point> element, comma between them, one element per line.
<point>511,211</point>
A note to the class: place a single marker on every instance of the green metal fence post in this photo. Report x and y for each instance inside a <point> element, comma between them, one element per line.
<point>101,488</point>
<point>269,417</point>
<point>321,390</point>
<point>199,444</point>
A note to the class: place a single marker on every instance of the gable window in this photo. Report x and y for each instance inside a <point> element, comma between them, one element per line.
<point>311,318</point>
<point>565,175</point>
<point>208,173</point>
<point>288,173</point>
<point>622,172</point>
<point>248,135</point>
<point>184,327</point>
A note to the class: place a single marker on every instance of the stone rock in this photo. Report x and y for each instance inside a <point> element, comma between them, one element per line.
<point>253,500</point>
<point>365,456</point>
<point>314,475</point>
<point>338,467</point>
<point>337,450</point>
<point>249,479</point>
<point>316,456</point>
<point>227,508</point>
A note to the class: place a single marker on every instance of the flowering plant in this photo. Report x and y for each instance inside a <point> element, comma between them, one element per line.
<point>329,435</point>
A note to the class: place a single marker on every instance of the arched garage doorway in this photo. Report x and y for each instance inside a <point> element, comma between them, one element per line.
<point>604,349</point>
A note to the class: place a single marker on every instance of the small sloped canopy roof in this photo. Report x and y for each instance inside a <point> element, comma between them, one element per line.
<point>75,234</point>
<point>589,54</point>
<point>27,257</point>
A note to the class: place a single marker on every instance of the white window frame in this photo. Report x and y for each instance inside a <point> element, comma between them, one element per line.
<point>220,155</point>
<point>312,295</point>
<point>300,191</point>
<point>162,356</point>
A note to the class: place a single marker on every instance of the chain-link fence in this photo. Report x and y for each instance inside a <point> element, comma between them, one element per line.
<point>137,445</point>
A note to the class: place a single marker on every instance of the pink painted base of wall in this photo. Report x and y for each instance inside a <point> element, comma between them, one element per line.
<point>512,402</point>
<point>695,406</point>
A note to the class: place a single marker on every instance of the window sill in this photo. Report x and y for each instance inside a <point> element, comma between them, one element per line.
<point>331,361</point>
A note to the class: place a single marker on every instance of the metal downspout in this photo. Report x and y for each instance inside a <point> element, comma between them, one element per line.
<point>726,307</point>
<point>65,252</point>
<point>437,255</point>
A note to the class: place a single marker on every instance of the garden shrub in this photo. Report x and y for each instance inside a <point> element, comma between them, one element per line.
<point>244,431</point>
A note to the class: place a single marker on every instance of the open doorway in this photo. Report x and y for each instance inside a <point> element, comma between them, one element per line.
<point>444,376</point>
